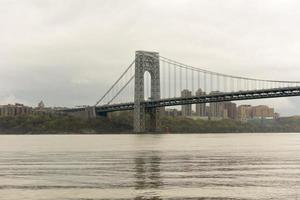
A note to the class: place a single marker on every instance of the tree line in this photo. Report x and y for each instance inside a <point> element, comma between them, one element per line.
<point>121,122</point>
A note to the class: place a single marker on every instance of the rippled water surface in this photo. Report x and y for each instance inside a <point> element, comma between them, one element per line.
<point>186,166</point>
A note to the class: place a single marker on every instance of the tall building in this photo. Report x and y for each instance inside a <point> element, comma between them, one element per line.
<point>15,110</point>
<point>186,110</point>
<point>216,109</point>
<point>262,111</point>
<point>200,108</point>
<point>231,110</point>
<point>244,112</point>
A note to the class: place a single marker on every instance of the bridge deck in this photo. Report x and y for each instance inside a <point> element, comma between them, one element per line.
<point>229,96</point>
<point>221,97</point>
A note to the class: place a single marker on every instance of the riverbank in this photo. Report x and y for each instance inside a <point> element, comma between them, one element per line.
<point>32,124</point>
<point>122,123</point>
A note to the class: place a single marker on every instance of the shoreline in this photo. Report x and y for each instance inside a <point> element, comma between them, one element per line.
<point>146,133</point>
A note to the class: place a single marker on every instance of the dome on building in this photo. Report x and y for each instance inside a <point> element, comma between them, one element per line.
<point>41,104</point>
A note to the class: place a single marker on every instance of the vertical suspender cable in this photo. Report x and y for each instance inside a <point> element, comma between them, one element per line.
<point>192,72</point>
<point>180,78</point>
<point>205,82</point>
<point>225,83</point>
<point>169,72</point>
<point>186,78</point>
<point>164,79</point>
<point>146,86</point>
<point>211,82</point>
<point>218,82</point>
<point>175,86</point>
<point>198,87</point>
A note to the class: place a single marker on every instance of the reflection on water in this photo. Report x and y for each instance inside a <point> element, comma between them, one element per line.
<point>147,172</point>
<point>233,166</point>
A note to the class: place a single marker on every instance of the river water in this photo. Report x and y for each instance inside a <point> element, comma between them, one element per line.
<point>183,166</point>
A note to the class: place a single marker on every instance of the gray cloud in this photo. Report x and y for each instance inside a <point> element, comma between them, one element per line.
<point>59,51</point>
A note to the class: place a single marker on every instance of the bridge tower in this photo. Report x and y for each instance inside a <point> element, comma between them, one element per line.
<point>146,61</point>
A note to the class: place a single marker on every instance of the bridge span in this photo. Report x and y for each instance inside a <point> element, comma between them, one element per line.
<point>165,83</point>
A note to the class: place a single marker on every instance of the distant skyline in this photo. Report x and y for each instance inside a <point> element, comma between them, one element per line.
<point>58,51</point>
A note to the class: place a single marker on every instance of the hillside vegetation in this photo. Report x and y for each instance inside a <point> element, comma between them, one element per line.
<point>122,122</point>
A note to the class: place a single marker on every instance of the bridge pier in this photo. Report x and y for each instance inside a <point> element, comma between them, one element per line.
<point>154,119</point>
<point>146,61</point>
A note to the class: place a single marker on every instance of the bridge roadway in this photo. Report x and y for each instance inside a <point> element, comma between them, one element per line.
<point>229,96</point>
<point>221,97</point>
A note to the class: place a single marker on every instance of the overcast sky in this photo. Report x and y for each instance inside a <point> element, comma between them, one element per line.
<point>68,52</point>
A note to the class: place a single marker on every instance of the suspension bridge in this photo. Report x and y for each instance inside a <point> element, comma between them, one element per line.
<point>152,82</point>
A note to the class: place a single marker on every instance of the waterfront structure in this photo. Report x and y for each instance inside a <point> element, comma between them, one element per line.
<point>15,110</point>
<point>244,112</point>
<point>217,109</point>
<point>200,108</point>
<point>146,62</point>
<point>41,109</point>
<point>231,110</point>
<point>177,76</point>
<point>248,112</point>
<point>186,110</point>
<point>262,111</point>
